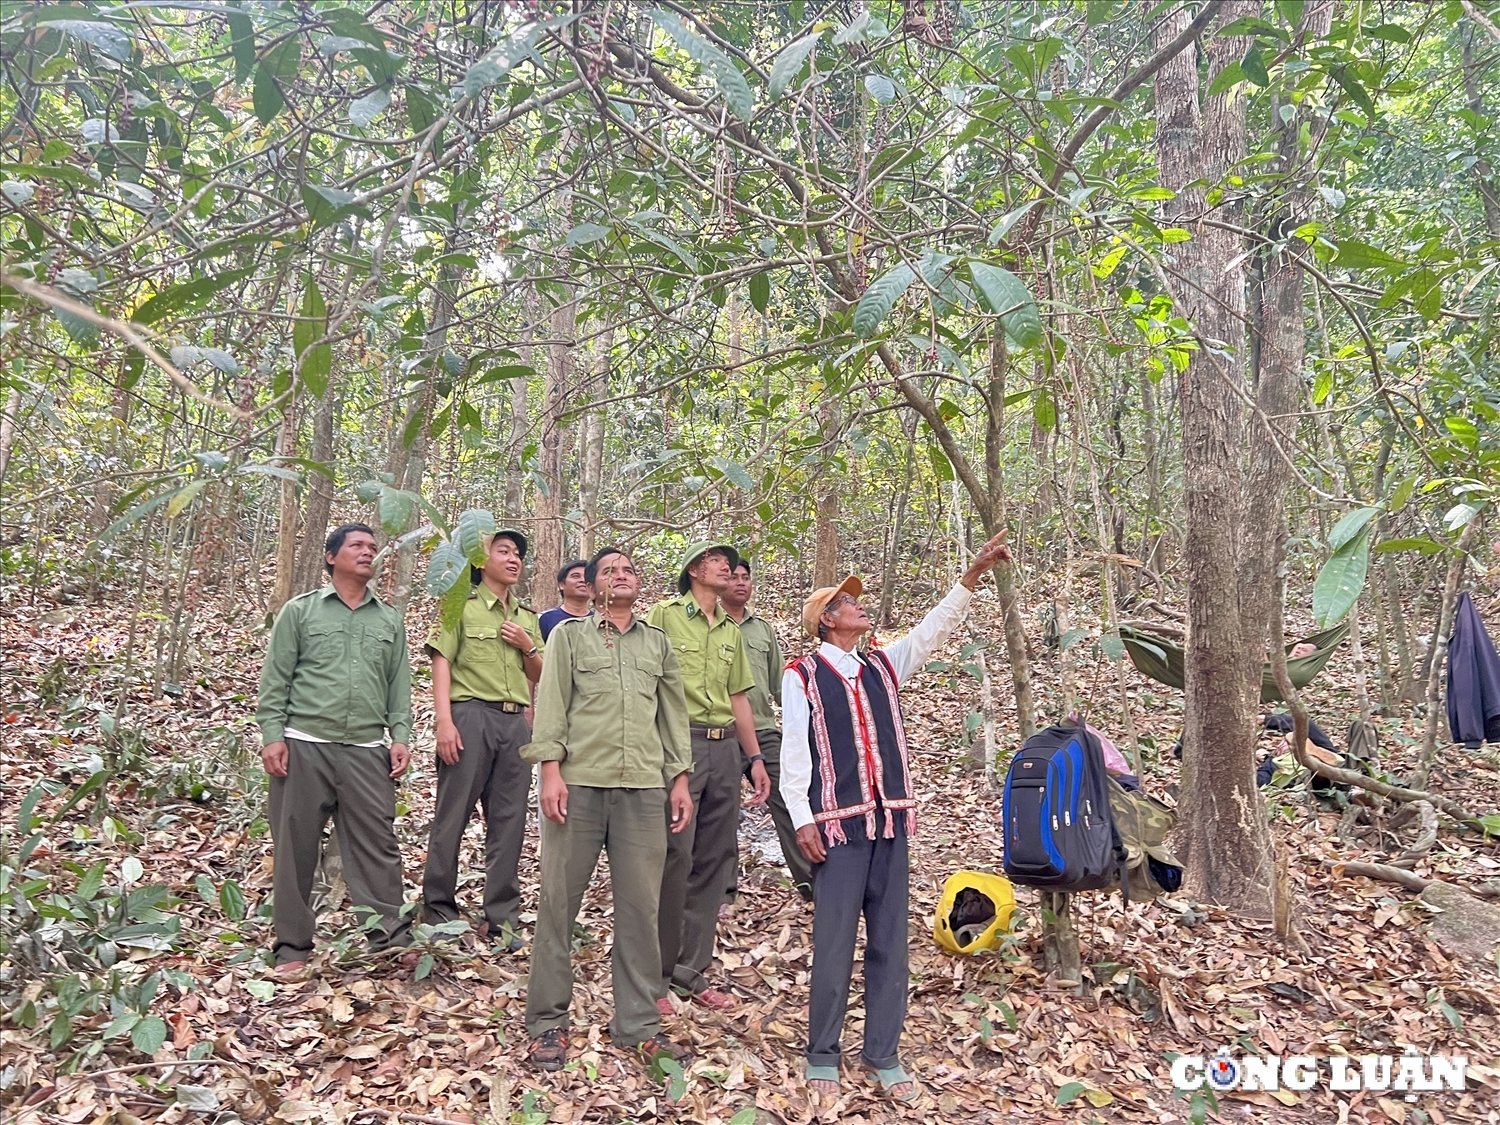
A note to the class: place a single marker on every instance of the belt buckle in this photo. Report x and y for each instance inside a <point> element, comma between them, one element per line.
<point>716,733</point>
<point>510,708</point>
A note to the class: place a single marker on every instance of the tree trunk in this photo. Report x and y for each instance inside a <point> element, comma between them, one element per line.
<point>520,417</point>
<point>826,502</point>
<point>309,567</point>
<point>286,534</point>
<point>1484,175</point>
<point>1224,838</point>
<point>1436,713</point>
<point>548,546</point>
<point>591,451</point>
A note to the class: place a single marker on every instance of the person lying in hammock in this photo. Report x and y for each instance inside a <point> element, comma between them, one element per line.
<point>1282,760</point>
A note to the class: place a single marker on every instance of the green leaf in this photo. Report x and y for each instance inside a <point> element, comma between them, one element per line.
<point>1071,1092</point>
<point>325,204</point>
<point>1226,79</point>
<point>1420,544</point>
<point>1350,526</point>
<point>364,110</point>
<point>184,497</point>
<point>261,989</point>
<point>91,883</point>
<point>199,1099</point>
<point>1355,90</point>
<point>720,67</point>
<point>188,295</point>
<point>394,509</point>
<point>241,44</point>
<point>880,298</point>
<point>1043,409</point>
<point>746,1116</point>
<point>788,63</point>
<point>279,65</point>
<point>1254,67</point>
<point>1356,255</point>
<point>760,290</point>
<point>496,65</point>
<point>1340,581</point>
<point>1322,386</point>
<point>232,901</point>
<point>314,354</point>
<point>106,38</point>
<point>881,88</point>
<point>64,172</point>
<point>473,528</point>
<point>1008,220</point>
<point>1463,429</point>
<point>448,568</point>
<point>149,1035</point>
<point>1007,297</point>
<point>942,468</point>
<point>583,233</point>
<point>451,607</point>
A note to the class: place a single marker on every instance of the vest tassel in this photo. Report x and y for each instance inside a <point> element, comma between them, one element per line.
<point>870,825</point>
<point>890,825</point>
<point>911,822</point>
<point>833,832</point>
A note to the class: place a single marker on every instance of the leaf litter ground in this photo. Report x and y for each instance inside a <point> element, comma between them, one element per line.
<point>992,1038</point>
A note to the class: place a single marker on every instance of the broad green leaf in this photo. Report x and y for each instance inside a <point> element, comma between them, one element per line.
<point>232,901</point>
<point>788,63</point>
<point>1322,386</point>
<point>1254,67</point>
<point>1070,1092</point>
<point>199,1099</point>
<point>1356,255</point>
<point>107,38</point>
<point>746,1116</point>
<point>942,468</point>
<point>1355,89</point>
<point>185,496</point>
<point>1463,429</point>
<point>394,509</point>
<point>447,568</point>
<point>149,1035</point>
<point>1043,409</point>
<point>1007,297</point>
<point>719,66</point>
<point>324,204</point>
<point>278,65</point>
<point>314,354</point>
<point>451,607</point>
<point>496,65</point>
<point>261,989</point>
<point>471,531</point>
<point>241,44</point>
<point>1420,544</point>
<point>1226,79</point>
<point>760,290</point>
<point>733,472</point>
<point>583,233</point>
<point>1340,581</point>
<point>188,295</point>
<point>1426,290</point>
<point>1350,526</point>
<point>91,883</point>
<point>881,88</point>
<point>1401,494</point>
<point>880,298</point>
<point>1008,220</point>
<point>364,110</point>
<point>1459,515</point>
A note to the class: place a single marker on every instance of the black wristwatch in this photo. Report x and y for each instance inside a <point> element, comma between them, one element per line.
<point>751,760</point>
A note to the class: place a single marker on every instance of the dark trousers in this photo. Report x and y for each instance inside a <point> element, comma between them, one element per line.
<point>700,865</point>
<point>629,826</point>
<point>870,879</point>
<point>796,863</point>
<point>351,784</point>
<point>489,771</point>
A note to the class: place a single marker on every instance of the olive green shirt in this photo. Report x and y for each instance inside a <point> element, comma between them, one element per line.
<point>611,713</point>
<point>336,673</point>
<point>712,653</point>
<point>484,665</point>
<point>766,663</point>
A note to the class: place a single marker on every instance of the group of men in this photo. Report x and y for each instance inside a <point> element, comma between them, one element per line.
<point>642,729</point>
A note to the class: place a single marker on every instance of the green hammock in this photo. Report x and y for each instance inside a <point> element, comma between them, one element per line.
<point>1159,655</point>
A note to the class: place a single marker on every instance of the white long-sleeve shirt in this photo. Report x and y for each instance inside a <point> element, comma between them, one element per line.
<point>906,656</point>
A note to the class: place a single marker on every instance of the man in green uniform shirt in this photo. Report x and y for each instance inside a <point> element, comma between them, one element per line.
<point>612,740</point>
<point>768,666</point>
<point>336,679</point>
<point>716,676</point>
<point>482,672</point>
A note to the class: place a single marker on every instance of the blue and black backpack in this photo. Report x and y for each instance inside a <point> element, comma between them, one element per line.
<point>1059,831</point>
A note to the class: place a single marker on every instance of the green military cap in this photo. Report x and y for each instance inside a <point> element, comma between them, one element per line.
<point>696,551</point>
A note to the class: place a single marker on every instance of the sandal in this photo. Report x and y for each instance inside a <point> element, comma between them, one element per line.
<point>713,1000</point>
<point>822,1074</point>
<point>659,1045</point>
<point>549,1050</point>
<point>892,1076</point>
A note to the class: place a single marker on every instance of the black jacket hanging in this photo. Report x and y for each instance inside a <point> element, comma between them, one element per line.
<point>1473,679</point>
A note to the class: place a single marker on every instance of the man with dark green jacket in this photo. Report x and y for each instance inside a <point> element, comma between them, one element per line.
<point>336,681</point>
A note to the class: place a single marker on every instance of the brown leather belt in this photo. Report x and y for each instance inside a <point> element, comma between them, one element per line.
<point>713,734</point>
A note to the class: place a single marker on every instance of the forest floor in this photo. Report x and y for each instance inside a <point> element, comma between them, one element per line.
<point>991,1038</point>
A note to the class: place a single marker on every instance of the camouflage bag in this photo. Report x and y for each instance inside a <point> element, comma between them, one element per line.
<point>1144,823</point>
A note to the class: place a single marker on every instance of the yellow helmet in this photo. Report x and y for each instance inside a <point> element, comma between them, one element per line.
<point>974,912</point>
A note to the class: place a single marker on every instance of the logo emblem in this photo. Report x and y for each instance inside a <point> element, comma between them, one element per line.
<point>1223,1073</point>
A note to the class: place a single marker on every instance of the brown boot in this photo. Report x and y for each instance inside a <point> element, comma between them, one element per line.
<point>549,1050</point>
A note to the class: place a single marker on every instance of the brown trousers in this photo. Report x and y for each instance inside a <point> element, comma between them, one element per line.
<point>351,784</point>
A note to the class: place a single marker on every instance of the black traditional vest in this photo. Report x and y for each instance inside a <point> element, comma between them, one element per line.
<point>861,783</point>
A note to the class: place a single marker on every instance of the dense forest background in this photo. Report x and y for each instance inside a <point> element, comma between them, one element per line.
<point>1197,300</point>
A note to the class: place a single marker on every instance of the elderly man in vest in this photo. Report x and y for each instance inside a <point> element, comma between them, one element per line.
<point>846,778</point>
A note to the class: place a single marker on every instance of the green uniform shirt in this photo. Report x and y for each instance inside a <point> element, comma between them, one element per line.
<point>484,665</point>
<point>337,673</point>
<point>766,663</point>
<point>611,713</point>
<point>712,653</point>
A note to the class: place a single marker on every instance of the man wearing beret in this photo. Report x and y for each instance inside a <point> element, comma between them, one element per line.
<point>482,672</point>
<point>716,677</point>
<point>846,778</point>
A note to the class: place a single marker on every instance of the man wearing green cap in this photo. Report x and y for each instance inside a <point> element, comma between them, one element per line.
<point>716,677</point>
<point>482,672</point>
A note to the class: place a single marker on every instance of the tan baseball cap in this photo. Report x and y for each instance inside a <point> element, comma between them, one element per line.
<point>818,600</point>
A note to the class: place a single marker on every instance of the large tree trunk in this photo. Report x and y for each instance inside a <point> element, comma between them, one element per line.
<point>548,546</point>
<point>520,416</point>
<point>308,573</point>
<point>1224,839</point>
<point>826,503</point>
<point>591,451</point>
<point>286,531</point>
